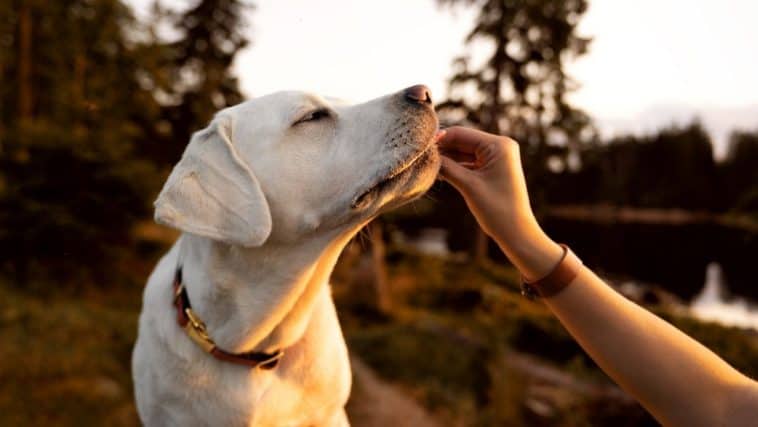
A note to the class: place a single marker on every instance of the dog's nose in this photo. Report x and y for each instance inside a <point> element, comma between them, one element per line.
<point>418,93</point>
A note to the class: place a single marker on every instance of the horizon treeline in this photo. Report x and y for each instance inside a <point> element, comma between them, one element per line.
<point>95,108</point>
<point>673,167</point>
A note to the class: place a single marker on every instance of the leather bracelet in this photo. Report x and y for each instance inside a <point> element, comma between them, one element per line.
<point>557,280</point>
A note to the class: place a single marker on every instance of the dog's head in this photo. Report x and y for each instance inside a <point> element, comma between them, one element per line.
<point>285,165</point>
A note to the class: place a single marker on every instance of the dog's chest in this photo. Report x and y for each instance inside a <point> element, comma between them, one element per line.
<point>309,386</point>
<point>314,377</point>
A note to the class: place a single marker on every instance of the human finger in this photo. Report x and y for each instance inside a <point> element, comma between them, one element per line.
<point>456,174</point>
<point>462,139</point>
<point>458,156</point>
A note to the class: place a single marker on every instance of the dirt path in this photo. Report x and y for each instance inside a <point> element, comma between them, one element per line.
<point>377,403</point>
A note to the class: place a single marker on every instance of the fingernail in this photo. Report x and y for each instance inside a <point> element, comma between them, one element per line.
<point>440,133</point>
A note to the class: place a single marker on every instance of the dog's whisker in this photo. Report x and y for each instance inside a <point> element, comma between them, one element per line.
<point>430,197</point>
<point>364,238</point>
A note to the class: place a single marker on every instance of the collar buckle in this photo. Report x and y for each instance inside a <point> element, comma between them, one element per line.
<point>195,328</point>
<point>272,361</point>
<point>197,331</point>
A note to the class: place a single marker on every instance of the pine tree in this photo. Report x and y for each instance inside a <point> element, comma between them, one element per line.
<point>92,101</point>
<point>739,189</point>
<point>201,83</point>
<point>520,88</point>
<point>71,185</point>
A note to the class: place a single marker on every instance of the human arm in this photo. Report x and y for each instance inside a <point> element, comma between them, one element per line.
<point>678,380</point>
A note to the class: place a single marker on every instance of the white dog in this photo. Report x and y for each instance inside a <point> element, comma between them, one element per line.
<point>266,197</point>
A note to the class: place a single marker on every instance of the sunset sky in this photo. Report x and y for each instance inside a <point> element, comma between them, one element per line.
<point>651,62</point>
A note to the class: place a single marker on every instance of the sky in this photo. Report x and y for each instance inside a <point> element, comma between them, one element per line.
<point>651,62</point>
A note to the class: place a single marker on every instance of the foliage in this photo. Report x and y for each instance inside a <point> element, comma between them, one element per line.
<point>71,182</point>
<point>195,78</point>
<point>671,168</point>
<point>521,87</point>
<point>450,356</point>
<point>99,108</point>
<point>66,361</point>
<point>455,325</point>
<point>96,107</point>
<point>739,174</point>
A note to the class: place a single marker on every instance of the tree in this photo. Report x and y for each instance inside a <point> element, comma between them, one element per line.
<point>200,79</point>
<point>381,282</point>
<point>671,168</point>
<point>520,87</point>
<point>24,99</point>
<point>739,173</point>
<point>94,101</point>
<point>71,185</point>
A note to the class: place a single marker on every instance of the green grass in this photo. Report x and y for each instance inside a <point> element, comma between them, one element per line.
<point>65,360</point>
<point>453,322</point>
<point>65,355</point>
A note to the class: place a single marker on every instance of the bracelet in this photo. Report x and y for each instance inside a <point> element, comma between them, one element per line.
<point>556,280</point>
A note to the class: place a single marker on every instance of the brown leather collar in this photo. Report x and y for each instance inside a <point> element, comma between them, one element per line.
<point>195,328</point>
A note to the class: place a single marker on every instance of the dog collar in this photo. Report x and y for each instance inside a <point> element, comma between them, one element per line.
<point>196,330</point>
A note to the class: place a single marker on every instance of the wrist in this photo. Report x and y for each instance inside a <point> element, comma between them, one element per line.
<point>530,250</point>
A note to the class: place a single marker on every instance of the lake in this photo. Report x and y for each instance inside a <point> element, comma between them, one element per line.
<point>710,266</point>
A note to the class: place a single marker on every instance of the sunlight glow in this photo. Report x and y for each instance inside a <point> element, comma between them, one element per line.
<point>651,62</point>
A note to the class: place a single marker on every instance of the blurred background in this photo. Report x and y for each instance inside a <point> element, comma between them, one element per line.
<point>639,127</point>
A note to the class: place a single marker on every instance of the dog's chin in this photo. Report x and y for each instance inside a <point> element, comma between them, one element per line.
<point>403,187</point>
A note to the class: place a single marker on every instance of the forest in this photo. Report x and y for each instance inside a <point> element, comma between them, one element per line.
<point>97,105</point>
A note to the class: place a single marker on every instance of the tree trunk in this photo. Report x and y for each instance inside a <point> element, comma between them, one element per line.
<point>24,103</point>
<point>80,65</point>
<point>2,106</point>
<point>381,281</point>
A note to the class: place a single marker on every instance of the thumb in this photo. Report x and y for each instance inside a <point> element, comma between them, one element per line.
<point>455,174</point>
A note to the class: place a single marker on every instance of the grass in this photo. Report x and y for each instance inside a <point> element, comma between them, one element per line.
<point>65,355</point>
<point>65,360</point>
<point>453,324</point>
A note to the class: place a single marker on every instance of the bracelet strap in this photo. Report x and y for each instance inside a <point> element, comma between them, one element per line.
<point>557,280</point>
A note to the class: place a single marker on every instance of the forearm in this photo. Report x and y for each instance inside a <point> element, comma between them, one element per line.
<point>678,380</point>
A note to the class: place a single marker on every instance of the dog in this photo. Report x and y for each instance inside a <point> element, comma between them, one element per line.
<point>238,326</point>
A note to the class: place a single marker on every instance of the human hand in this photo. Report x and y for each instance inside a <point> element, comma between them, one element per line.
<point>486,170</point>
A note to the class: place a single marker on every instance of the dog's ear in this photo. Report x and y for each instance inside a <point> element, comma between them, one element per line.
<point>212,193</point>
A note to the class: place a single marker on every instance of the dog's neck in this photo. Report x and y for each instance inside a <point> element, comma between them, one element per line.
<point>258,299</point>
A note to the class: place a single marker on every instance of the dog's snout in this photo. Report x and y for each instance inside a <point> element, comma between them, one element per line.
<point>418,94</point>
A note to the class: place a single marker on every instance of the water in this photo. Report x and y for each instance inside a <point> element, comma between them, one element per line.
<point>711,267</point>
<point>713,303</point>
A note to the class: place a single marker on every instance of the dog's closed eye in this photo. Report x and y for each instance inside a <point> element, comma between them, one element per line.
<point>315,115</point>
